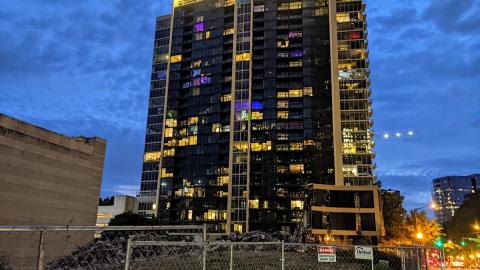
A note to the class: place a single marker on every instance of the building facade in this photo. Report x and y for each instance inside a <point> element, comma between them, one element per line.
<point>262,98</point>
<point>449,193</point>
<point>46,179</point>
<point>156,107</point>
<point>116,205</point>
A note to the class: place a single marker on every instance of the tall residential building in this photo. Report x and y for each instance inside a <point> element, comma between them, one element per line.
<point>156,106</point>
<point>268,115</point>
<point>46,179</point>
<point>449,193</point>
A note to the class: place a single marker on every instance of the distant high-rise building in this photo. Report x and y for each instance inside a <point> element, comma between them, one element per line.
<point>156,106</point>
<point>449,193</point>
<point>267,115</point>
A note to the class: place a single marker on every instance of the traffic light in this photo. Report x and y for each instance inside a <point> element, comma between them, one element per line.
<point>463,243</point>
<point>439,243</point>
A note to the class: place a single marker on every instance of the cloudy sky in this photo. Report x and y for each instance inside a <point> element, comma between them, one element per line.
<point>82,68</point>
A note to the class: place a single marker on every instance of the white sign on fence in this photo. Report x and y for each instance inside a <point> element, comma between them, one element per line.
<point>363,253</point>
<point>327,254</point>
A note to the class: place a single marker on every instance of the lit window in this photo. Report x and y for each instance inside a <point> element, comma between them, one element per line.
<point>196,64</point>
<point>282,104</point>
<point>195,91</point>
<point>296,204</point>
<point>265,204</point>
<point>199,27</point>
<point>308,91</point>
<point>296,168</point>
<point>165,173</point>
<point>193,120</point>
<point>216,127</point>
<point>169,152</point>
<point>198,36</point>
<point>282,95</point>
<point>296,146</point>
<point>176,58</point>
<point>207,35</point>
<point>295,34</point>
<point>226,98</point>
<point>171,122</point>
<point>295,93</point>
<point>343,17</point>
<point>260,8</point>
<point>242,57</point>
<point>295,5</point>
<point>283,44</point>
<point>240,146</point>
<point>169,132</point>
<point>152,156</point>
<point>257,115</point>
<point>298,63</point>
<point>228,31</point>
<point>254,204</point>
<point>192,140</point>
<point>282,114</point>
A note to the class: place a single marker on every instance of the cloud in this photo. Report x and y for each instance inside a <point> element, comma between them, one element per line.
<point>130,190</point>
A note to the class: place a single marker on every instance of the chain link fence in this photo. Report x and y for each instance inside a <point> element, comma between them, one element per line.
<point>186,247</point>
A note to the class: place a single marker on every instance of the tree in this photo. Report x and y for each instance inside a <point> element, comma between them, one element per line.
<point>466,217</point>
<point>131,219</point>
<point>393,214</point>
<point>418,222</point>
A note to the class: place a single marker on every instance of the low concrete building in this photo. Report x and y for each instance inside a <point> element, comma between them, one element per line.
<point>115,205</point>
<point>46,178</point>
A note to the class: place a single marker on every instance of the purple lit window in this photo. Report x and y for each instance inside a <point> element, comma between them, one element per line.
<point>294,34</point>
<point>241,105</point>
<point>196,72</point>
<point>296,54</point>
<point>196,82</point>
<point>186,85</point>
<point>205,80</point>
<point>199,27</point>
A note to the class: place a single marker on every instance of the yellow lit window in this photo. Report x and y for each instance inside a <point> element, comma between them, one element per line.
<point>165,173</point>
<point>308,142</point>
<point>176,58</point>
<point>295,5</point>
<point>171,122</point>
<point>152,156</point>
<point>169,152</point>
<point>257,115</point>
<point>295,93</point>
<point>223,180</point>
<point>282,114</point>
<point>308,91</point>
<point>229,3</point>
<point>182,142</point>
<point>216,127</point>
<point>228,31</point>
<point>242,57</point>
<point>193,120</point>
<point>296,168</point>
<point>282,104</point>
<point>179,3</point>
<point>226,98</point>
<point>195,91</point>
<point>169,132</point>
<point>265,204</point>
<point>240,146</point>
<point>296,146</point>
<point>192,140</point>
<point>190,214</point>
<point>296,204</point>
<point>298,63</point>
<point>283,44</point>
<point>282,95</point>
<point>196,63</point>
<point>343,17</point>
<point>215,215</point>
<point>238,228</point>
<point>254,204</point>
<point>207,35</point>
<point>259,147</point>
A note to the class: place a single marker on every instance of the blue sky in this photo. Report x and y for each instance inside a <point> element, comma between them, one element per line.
<point>82,68</point>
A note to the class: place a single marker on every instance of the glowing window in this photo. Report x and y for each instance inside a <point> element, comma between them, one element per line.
<point>257,105</point>
<point>295,5</point>
<point>296,146</point>
<point>254,204</point>
<point>192,140</point>
<point>242,57</point>
<point>282,95</point>
<point>283,44</point>
<point>265,204</point>
<point>152,156</point>
<point>198,36</point>
<point>240,146</point>
<point>308,91</point>
<point>282,114</point>
<point>216,127</point>
<point>196,64</point>
<point>165,173</point>
<point>199,27</point>
<point>282,104</point>
<point>176,58</point>
<point>296,168</point>
<point>298,63</point>
<point>226,98</point>
<point>257,115</point>
<point>207,35</point>
<point>295,34</point>
<point>296,204</point>
<point>169,152</point>
<point>228,31</point>
<point>295,93</point>
<point>193,120</point>
<point>169,132</point>
<point>171,122</point>
<point>259,8</point>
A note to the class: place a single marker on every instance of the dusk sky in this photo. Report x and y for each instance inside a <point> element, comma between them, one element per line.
<point>82,68</point>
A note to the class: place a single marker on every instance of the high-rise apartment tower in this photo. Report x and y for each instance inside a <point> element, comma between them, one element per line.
<point>266,122</point>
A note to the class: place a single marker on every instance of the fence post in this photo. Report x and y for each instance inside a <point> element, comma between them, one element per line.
<point>283,255</point>
<point>231,256</point>
<point>403,259</point>
<point>418,259</point>
<point>373,258</point>
<point>129,253</point>
<point>41,251</point>
<point>204,255</point>
<point>442,259</point>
